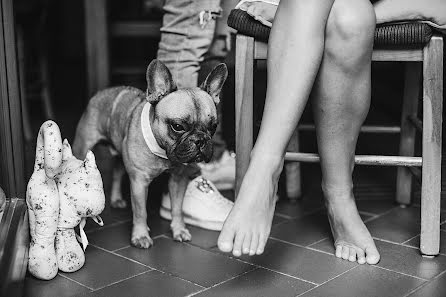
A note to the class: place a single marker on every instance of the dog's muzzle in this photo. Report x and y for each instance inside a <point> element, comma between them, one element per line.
<point>193,149</point>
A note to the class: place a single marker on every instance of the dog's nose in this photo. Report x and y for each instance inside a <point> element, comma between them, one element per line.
<point>200,142</point>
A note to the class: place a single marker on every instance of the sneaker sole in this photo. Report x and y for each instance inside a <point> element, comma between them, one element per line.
<point>214,226</point>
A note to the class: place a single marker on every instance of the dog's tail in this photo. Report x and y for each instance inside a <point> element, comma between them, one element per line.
<point>49,149</point>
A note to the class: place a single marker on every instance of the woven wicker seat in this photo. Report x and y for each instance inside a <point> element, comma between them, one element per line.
<point>414,43</point>
<point>416,34</point>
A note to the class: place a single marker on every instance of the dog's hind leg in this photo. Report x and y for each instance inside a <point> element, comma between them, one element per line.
<point>116,200</point>
<point>87,135</point>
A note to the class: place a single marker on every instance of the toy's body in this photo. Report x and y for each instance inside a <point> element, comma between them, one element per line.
<point>61,192</point>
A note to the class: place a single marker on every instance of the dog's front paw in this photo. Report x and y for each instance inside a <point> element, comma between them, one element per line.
<point>180,233</point>
<point>120,203</point>
<point>141,238</point>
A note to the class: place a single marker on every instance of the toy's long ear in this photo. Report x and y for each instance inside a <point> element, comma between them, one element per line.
<point>66,150</point>
<point>90,160</point>
<point>159,81</point>
<point>214,82</point>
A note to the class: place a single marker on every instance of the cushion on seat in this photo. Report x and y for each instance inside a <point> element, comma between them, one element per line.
<point>404,34</point>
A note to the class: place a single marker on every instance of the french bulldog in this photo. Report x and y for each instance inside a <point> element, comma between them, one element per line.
<point>164,128</point>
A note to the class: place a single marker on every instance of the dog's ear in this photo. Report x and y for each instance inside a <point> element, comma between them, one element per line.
<point>159,81</point>
<point>214,82</point>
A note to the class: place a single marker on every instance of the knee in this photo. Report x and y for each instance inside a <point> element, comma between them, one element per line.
<point>351,26</point>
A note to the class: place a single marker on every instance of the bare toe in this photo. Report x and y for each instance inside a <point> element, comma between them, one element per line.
<point>372,255</point>
<point>338,251</point>
<point>238,242</point>
<point>352,256</point>
<point>226,239</point>
<point>360,256</point>
<point>262,243</point>
<point>246,244</point>
<point>254,244</point>
<point>345,252</point>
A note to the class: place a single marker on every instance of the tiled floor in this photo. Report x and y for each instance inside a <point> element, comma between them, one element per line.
<point>298,260</point>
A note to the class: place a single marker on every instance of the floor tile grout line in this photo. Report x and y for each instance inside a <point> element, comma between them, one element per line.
<point>425,283</point>
<point>252,264</point>
<point>225,281</point>
<point>321,284</point>
<point>124,257</point>
<point>402,273</point>
<point>305,214</point>
<point>383,214</point>
<point>405,242</point>
<point>367,213</point>
<point>75,281</point>
<point>122,280</point>
<point>318,241</point>
<point>370,219</point>
<point>100,228</point>
<point>121,248</point>
<point>283,216</point>
<point>301,246</point>
<point>152,268</point>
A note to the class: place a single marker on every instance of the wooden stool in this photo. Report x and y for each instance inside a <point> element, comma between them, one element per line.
<point>412,43</point>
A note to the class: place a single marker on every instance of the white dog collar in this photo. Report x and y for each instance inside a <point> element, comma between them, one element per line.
<point>151,142</point>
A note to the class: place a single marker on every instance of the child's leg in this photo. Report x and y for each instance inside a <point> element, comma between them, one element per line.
<point>341,102</point>
<point>295,51</point>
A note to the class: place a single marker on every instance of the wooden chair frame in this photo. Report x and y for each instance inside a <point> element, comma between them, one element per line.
<point>248,50</point>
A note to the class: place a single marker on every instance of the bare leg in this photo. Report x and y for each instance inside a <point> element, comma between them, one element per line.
<point>116,200</point>
<point>341,102</point>
<point>295,51</point>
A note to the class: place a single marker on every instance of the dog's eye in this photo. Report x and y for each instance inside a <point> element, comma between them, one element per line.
<point>177,128</point>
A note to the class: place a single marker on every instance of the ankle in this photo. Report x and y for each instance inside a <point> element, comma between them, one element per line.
<point>272,159</point>
<point>335,195</point>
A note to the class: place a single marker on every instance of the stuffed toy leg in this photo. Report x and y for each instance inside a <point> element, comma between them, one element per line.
<point>81,195</point>
<point>42,199</point>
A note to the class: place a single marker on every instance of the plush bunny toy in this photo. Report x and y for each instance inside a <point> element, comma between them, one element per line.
<point>62,192</point>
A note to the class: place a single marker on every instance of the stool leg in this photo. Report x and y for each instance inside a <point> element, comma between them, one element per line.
<point>292,171</point>
<point>244,92</point>
<point>432,124</point>
<point>412,80</point>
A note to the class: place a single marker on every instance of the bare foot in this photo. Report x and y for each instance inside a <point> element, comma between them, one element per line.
<point>248,225</point>
<point>353,241</point>
<point>260,10</point>
<point>141,237</point>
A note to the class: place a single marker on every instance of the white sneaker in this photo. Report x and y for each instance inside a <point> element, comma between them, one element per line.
<point>203,205</point>
<point>221,172</point>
